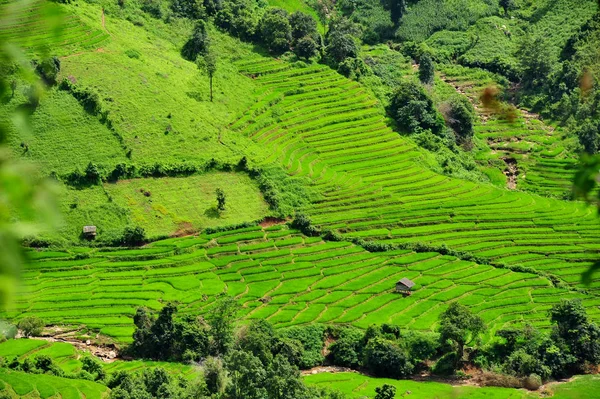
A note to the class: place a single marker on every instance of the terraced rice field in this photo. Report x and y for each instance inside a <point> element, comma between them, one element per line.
<point>357,386</point>
<point>26,385</point>
<point>321,125</point>
<point>38,24</point>
<point>544,163</point>
<point>280,275</point>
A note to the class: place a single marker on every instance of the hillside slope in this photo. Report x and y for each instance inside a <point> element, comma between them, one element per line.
<point>330,129</point>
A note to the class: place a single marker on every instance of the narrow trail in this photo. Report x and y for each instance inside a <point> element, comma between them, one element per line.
<point>104,23</point>
<point>107,353</point>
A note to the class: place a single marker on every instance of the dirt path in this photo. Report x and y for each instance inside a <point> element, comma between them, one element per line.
<point>104,23</point>
<point>328,369</point>
<point>107,353</point>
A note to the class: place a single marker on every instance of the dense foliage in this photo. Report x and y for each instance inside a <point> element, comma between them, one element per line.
<point>251,362</point>
<point>414,110</point>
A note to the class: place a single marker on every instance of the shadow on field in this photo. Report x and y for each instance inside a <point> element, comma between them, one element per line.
<point>212,213</point>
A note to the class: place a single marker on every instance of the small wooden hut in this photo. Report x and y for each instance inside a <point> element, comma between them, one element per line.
<point>89,231</point>
<point>404,286</point>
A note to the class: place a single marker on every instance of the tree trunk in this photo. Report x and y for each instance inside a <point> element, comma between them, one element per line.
<point>459,355</point>
<point>211,88</point>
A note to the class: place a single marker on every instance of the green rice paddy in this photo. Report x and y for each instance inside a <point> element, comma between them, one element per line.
<point>278,274</point>
<point>355,385</point>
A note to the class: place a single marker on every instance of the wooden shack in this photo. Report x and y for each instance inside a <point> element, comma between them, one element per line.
<point>89,231</point>
<point>404,286</point>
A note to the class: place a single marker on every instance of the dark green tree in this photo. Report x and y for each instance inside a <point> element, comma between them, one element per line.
<point>422,346</point>
<point>340,46</point>
<point>191,338</point>
<point>198,43</point>
<point>247,376</point>
<point>92,173</point>
<point>306,48</point>
<point>48,69</point>
<point>291,349</point>
<point>460,116</point>
<point>507,5</point>
<point>460,326</point>
<point>221,199</point>
<point>133,236</point>
<point>397,9</point>
<point>344,352</point>
<point>31,326</point>
<point>384,358</point>
<point>93,366</point>
<point>385,391</point>
<point>163,332</point>
<point>536,65</point>
<point>283,380</point>
<point>192,9</point>
<point>275,30</point>
<point>573,327</point>
<point>222,319</point>
<point>209,64</point>
<point>414,110</point>
<point>353,68</point>
<point>426,69</point>
<point>588,133</point>
<point>214,375</point>
<point>142,336</point>
<point>259,339</point>
<point>302,25</point>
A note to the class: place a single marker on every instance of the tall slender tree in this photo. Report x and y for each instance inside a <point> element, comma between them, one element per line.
<point>208,64</point>
<point>397,8</point>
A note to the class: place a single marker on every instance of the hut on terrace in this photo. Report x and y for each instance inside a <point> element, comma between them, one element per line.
<point>89,231</point>
<point>404,286</point>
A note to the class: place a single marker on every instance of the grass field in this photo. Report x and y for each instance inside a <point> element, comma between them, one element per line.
<point>359,386</point>
<point>162,206</point>
<point>68,358</point>
<point>277,274</point>
<point>161,99</point>
<point>355,385</point>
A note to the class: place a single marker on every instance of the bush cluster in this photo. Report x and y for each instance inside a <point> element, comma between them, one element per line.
<point>43,364</point>
<point>254,362</point>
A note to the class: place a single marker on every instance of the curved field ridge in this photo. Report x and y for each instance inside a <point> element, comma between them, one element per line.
<point>374,187</point>
<point>280,275</point>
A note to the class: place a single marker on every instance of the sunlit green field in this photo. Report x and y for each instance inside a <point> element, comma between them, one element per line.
<point>359,386</point>
<point>33,386</point>
<point>355,385</point>
<point>279,275</point>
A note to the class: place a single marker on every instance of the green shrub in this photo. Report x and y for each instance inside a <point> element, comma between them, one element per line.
<point>31,326</point>
<point>383,358</point>
<point>460,116</point>
<point>133,236</point>
<point>414,110</point>
<point>426,69</point>
<point>198,43</point>
<point>275,30</point>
